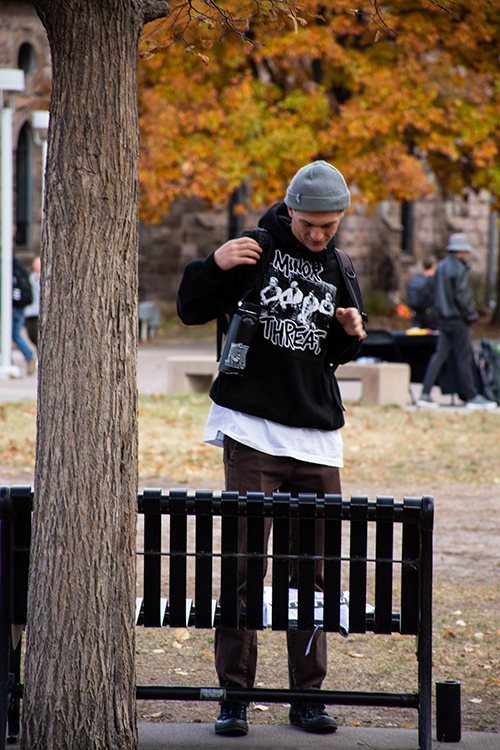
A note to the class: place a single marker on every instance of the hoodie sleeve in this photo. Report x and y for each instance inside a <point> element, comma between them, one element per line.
<point>198,291</point>
<point>206,290</point>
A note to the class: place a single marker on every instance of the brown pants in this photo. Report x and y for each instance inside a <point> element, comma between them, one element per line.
<point>248,470</point>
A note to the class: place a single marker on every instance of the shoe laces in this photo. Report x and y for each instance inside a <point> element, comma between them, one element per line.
<point>313,709</point>
<point>233,710</point>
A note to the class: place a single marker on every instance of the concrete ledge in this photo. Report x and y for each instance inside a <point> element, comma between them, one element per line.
<point>191,374</point>
<point>382,382</point>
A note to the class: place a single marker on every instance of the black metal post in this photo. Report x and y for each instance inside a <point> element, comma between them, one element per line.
<point>448,713</point>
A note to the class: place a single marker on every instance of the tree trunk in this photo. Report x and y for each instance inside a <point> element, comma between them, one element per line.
<point>80,657</point>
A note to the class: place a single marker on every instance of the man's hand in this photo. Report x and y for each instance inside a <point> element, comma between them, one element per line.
<point>241,252</point>
<point>350,320</point>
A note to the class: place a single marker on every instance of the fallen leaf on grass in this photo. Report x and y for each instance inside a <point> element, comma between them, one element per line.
<point>355,724</point>
<point>181,634</point>
<point>494,681</point>
<point>209,654</point>
<point>260,707</point>
<point>475,700</point>
<point>461,623</point>
<point>356,655</point>
<point>449,634</point>
<point>180,671</point>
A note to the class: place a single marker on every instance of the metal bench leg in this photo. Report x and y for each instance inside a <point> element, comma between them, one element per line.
<point>5,559</point>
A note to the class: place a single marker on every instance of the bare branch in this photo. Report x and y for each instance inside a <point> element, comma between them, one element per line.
<point>186,15</point>
<point>446,10</point>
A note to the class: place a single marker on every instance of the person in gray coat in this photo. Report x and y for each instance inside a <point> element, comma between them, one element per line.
<point>455,312</point>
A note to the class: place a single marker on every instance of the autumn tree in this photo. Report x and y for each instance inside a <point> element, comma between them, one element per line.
<point>403,100</point>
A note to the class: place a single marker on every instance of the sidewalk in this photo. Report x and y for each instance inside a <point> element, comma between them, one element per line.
<point>151,371</point>
<point>281,737</point>
<point>165,736</point>
<point>152,375</point>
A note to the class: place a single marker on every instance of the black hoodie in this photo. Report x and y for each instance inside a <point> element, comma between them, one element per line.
<point>289,377</point>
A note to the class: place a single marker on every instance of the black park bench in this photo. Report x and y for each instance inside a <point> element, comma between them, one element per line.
<point>379,550</point>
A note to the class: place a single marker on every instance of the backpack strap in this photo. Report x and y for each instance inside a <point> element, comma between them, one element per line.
<point>350,278</point>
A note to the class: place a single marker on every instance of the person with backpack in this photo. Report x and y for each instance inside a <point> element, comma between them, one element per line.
<point>277,409</point>
<point>420,295</point>
<point>21,298</point>
<point>455,311</point>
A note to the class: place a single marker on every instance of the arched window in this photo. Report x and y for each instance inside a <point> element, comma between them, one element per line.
<point>24,186</point>
<point>26,59</point>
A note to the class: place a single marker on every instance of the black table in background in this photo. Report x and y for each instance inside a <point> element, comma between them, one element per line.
<point>416,349</point>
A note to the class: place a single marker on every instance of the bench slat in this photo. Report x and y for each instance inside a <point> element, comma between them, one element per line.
<point>384,550</point>
<point>357,566</point>
<point>410,568</point>
<point>203,566</point>
<point>229,565</point>
<point>307,563</point>
<point>178,572</point>
<point>152,558</point>
<point>255,560</point>
<point>332,570</point>
<point>281,537</point>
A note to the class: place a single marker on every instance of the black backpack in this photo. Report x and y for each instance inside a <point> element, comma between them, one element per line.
<point>21,286</point>
<point>488,360</point>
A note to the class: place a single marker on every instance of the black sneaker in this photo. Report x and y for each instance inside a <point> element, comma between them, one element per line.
<point>232,719</point>
<point>312,717</point>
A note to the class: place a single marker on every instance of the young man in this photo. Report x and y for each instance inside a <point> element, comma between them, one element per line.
<point>455,312</point>
<point>278,420</point>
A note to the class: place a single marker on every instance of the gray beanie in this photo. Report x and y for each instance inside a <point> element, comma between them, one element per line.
<point>318,187</point>
<point>459,243</point>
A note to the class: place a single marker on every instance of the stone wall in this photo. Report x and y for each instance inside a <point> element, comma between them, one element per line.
<point>372,237</point>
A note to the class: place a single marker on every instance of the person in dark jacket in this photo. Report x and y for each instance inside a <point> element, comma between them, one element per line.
<point>277,409</point>
<point>420,294</point>
<point>455,311</point>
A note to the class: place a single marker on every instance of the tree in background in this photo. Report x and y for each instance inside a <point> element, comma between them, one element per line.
<point>402,101</point>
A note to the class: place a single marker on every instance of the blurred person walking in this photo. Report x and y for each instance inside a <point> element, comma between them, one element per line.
<point>455,312</point>
<point>21,297</point>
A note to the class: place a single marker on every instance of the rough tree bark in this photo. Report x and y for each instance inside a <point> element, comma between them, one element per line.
<point>79,669</point>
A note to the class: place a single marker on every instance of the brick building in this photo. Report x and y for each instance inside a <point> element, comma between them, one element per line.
<point>24,45</point>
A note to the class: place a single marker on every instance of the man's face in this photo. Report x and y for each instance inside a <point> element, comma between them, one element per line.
<point>315,230</point>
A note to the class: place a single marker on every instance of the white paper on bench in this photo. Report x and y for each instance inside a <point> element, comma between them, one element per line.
<point>318,608</point>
